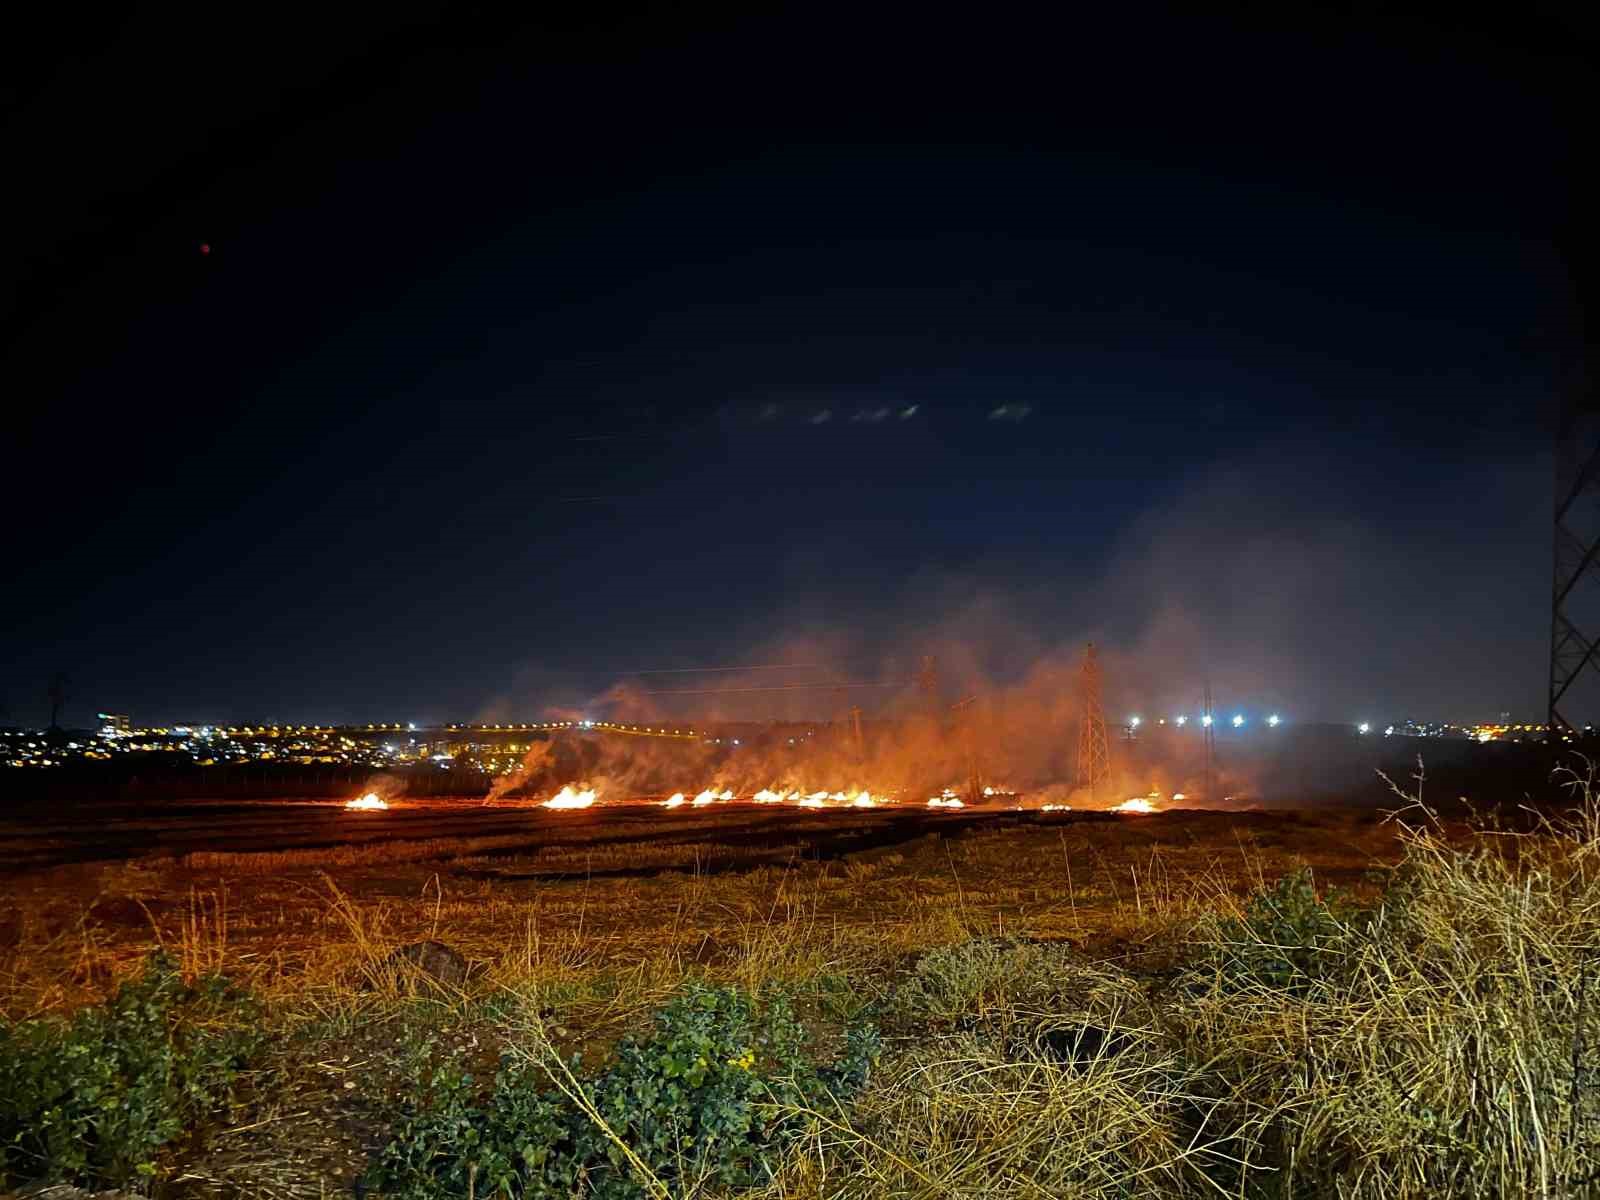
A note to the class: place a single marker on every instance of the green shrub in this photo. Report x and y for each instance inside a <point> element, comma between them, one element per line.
<point>709,1096</point>
<point>1289,938</point>
<point>95,1099</point>
<point>448,1144</point>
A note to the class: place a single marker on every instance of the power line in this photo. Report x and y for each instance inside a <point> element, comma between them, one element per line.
<point>726,670</point>
<point>783,687</point>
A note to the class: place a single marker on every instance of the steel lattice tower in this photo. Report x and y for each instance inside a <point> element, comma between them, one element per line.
<point>1575,602</point>
<point>928,684</point>
<point>1094,752</point>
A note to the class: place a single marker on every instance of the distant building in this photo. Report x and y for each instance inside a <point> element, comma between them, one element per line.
<point>113,724</point>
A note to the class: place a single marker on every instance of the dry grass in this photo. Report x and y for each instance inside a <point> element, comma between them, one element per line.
<point>1445,1052</point>
<point>1448,1048</point>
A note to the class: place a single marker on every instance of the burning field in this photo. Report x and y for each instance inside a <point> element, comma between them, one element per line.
<point>857,990</point>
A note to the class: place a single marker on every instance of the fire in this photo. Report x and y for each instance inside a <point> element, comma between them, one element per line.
<point>1138,804</point>
<point>814,800</point>
<point>863,800</point>
<point>1179,796</point>
<point>569,797</point>
<point>769,797</point>
<point>370,802</point>
<point>673,801</point>
<point>945,802</point>
<point>1055,807</point>
<point>706,797</point>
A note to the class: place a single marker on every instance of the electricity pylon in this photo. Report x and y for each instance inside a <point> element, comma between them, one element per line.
<point>966,712</point>
<point>928,684</point>
<point>1575,605</point>
<point>1094,752</point>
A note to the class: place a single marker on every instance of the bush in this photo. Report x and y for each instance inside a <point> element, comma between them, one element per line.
<point>1288,939</point>
<point>447,1144</point>
<point>1436,1047</point>
<point>94,1100</point>
<point>710,1096</point>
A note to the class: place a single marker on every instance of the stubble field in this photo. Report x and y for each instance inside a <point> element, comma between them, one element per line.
<point>948,949</point>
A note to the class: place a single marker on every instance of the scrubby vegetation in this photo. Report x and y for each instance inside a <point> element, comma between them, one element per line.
<point>708,1099</point>
<point>100,1098</point>
<point>1428,1034</point>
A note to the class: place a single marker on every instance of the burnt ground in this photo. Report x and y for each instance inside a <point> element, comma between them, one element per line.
<point>39,838</point>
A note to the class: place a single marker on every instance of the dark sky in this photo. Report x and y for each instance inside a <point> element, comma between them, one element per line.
<point>529,355</point>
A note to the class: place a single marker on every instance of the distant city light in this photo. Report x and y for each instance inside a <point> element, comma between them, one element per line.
<point>1363,728</point>
<point>1180,720</point>
<point>1133,722</point>
<point>1273,719</point>
<point>1238,720</point>
<point>1206,720</point>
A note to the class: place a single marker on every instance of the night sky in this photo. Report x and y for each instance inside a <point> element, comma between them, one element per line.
<point>526,357</point>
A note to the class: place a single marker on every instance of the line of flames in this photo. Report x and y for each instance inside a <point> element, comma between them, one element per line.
<point>572,796</point>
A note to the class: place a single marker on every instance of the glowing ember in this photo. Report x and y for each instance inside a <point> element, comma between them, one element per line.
<point>569,797</point>
<point>673,800</point>
<point>1138,804</point>
<point>371,801</point>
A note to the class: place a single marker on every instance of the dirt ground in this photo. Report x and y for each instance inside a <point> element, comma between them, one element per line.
<point>281,893</point>
<point>592,918</point>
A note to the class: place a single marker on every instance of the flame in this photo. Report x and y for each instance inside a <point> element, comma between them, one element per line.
<point>1178,796</point>
<point>1138,804</point>
<point>370,802</point>
<point>768,797</point>
<point>864,800</point>
<point>945,802</point>
<point>673,801</point>
<point>568,797</point>
<point>813,801</point>
<point>1054,807</point>
<point>706,797</point>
